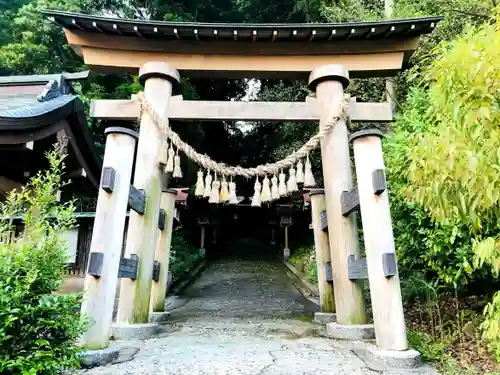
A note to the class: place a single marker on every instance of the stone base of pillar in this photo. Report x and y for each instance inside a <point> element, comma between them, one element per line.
<point>324,317</point>
<point>158,317</point>
<point>286,253</point>
<point>99,357</point>
<point>103,357</point>
<point>394,359</point>
<point>350,331</point>
<point>134,331</point>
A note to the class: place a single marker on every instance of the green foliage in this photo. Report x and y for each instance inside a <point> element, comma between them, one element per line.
<point>33,44</point>
<point>455,168</point>
<point>431,349</point>
<point>441,251</point>
<point>38,328</point>
<point>445,166</point>
<point>183,256</point>
<point>353,10</point>
<point>312,271</point>
<point>304,258</point>
<point>450,366</point>
<point>491,325</point>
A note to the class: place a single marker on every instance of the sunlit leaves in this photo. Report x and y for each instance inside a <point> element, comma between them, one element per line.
<point>455,170</point>
<point>445,156</point>
<point>488,251</point>
<point>491,325</point>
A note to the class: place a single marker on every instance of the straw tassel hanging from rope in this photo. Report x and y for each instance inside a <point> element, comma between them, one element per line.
<point>292,182</point>
<point>208,185</point>
<point>214,195</point>
<point>275,195</point>
<point>200,186</point>
<point>164,152</point>
<point>177,166</point>
<point>233,199</point>
<point>256,194</point>
<point>224,192</point>
<point>169,167</point>
<point>265,196</point>
<point>309,180</point>
<point>300,172</point>
<point>282,186</point>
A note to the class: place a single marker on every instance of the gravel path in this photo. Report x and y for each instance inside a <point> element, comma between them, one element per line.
<point>241,289</point>
<point>242,317</point>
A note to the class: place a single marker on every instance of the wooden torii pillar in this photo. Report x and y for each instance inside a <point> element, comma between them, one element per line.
<point>322,251</point>
<point>385,290</point>
<point>107,236</point>
<point>329,82</point>
<point>162,255</point>
<point>134,304</point>
<point>370,196</point>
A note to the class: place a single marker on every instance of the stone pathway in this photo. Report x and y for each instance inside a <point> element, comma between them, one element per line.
<point>243,317</point>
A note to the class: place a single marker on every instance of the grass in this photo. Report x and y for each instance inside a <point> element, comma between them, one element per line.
<point>446,333</point>
<point>304,259</point>
<point>303,318</point>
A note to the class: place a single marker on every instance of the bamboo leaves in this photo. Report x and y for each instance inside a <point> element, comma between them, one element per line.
<point>455,165</point>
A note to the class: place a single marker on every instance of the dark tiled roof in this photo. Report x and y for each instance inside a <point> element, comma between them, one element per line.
<point>12,101</point>
<point>244,31</point>
<point>42,78</point>
<point>26,106</point>
<point>30,106</point>
<point>37,99</point>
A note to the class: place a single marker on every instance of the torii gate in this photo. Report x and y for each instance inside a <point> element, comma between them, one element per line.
<point>329,54</point>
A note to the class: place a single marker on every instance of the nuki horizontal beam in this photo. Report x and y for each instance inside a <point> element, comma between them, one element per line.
<point>197,110</point>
